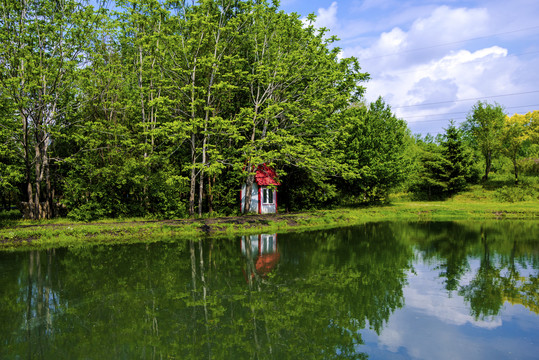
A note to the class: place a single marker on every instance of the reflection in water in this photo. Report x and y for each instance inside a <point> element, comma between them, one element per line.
<point>327,294</point>
<point>261,252</point>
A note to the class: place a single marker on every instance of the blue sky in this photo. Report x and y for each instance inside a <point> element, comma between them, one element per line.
<point>432,60</point>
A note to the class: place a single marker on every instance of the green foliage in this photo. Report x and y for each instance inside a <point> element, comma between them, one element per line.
<point>460,170</point>
<point>516,193</point>
<point>484,127</point>
<point>302,190</point>
<point>530,166</point>
<point>444,168</point>
<point>371,145</point>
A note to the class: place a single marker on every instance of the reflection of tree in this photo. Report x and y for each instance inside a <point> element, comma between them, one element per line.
<point>332,284</point>
<point>503,249</point>
<point>28,322</point>
<point>485,291</point>
<point>446,242</point>
<point>190,299</point>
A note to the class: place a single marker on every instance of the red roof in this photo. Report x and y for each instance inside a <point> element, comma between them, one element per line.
<point>266,176</point>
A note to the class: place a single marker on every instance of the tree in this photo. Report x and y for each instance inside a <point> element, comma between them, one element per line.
<point>42,45</point>
<point>432,175</point>
<point>460,164</point>
<point>295,86</point>
<point>372,144</point>
<point>533,118</point>
<point>484,125</point>
<point>11,166</point>
<point>515,134</point>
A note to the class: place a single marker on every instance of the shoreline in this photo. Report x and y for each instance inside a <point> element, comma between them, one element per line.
<point>32,235</point>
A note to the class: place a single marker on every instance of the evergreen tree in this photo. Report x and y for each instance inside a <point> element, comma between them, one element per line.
<point>444,167</point>
<point>431,177</point>
<point>459,161</point>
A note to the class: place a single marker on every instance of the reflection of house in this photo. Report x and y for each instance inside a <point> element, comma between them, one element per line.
<point>263,248</point>
<point>264,194</point>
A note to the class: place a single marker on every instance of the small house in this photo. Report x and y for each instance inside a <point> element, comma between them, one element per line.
<point>264,193</point>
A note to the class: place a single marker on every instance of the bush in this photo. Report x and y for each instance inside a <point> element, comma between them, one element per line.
<point>517,193</point>
<point>529,166</point>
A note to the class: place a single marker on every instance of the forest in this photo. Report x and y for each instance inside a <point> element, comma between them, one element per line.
<point>164,109</point>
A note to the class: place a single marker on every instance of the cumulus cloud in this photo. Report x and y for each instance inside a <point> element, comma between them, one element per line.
<point>438,52</point>
<point>327,17</point>
<point>439,61</point>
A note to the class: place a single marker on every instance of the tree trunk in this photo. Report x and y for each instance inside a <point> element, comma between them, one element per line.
<point>201,180</point>
<point>515,165</point>
<point>193,177</point>
<point>211,183</point>
<point>488,160</point>
<point>193,145</point>
<point>248,194</point>
<point>38,171</point>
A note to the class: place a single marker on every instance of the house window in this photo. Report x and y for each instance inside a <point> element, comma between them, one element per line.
<point>267,196</point>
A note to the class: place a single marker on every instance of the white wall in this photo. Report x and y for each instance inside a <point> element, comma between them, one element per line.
<point>264,208</point>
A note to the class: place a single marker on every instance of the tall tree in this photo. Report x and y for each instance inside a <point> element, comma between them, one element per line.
<point>484,125</point>
<point>431,177</point>
<point>295,86</point>
<point>515,134</point>
<point>11,166</point>
<point>206,71</point>
<point>42,44</point>
<point>372,144</point>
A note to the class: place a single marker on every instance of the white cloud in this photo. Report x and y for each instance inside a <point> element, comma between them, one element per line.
<point>438,50</point>
<point>326,18</point>
<point>435,62</point>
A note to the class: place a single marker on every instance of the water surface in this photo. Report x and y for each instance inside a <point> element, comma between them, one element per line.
<point>437,290</point>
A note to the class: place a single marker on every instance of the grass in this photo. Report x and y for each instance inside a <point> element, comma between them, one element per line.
<point>476,204</point>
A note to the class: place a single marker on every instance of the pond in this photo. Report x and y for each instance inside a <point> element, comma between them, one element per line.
<point>393,290</point>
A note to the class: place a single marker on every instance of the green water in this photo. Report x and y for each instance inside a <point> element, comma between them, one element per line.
<point>438,290</point>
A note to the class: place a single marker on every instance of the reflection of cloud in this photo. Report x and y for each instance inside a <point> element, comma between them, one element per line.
<point>433,326</point>
<point>427,296</point>
<point>391,338</point>
<point>411,334</point>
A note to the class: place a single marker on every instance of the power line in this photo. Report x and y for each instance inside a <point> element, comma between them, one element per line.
<point>451,43</point>
<point>436,120</point>
<point>471,99</point>
<point>465,112</point>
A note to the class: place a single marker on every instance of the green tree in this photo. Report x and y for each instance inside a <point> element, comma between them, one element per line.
<point>517,133</point>
<point>431,176</point>
<point>295,86</point>
<point>372,144</point>
<point>11,166</point>
<point>42,46</point>
<point>460,170</point>
<point>484,124</point>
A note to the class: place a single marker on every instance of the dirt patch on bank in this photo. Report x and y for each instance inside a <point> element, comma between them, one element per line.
<point>12,234</point>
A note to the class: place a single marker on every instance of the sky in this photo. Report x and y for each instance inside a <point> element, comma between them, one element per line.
<point>431,61</point>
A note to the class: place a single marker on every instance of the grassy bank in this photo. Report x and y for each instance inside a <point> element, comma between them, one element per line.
<point>17,234</point>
